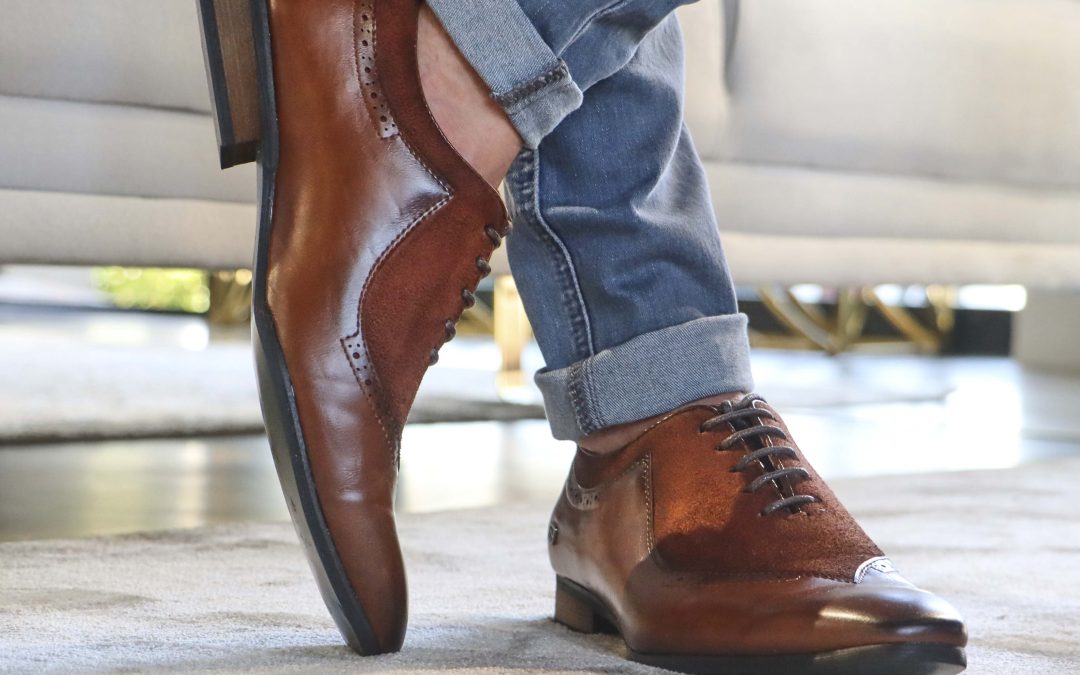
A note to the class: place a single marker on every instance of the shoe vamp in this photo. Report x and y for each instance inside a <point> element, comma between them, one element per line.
<point>705,522</point>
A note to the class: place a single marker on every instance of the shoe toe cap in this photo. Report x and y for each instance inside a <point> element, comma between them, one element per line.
<point>888,608</point>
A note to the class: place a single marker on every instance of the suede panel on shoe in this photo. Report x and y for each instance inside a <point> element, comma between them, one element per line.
<point>706,522</point>
<point>431,265</point>
<point>368,226</point>
<point>419,270</point>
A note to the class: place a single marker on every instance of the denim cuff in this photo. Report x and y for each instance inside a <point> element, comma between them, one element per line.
<point>526,78</point>
<point>648,375</point>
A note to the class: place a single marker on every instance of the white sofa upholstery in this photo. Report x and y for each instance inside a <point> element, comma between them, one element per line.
<point>847,142</point>
<point>908,141</point>
<point>107,147</point>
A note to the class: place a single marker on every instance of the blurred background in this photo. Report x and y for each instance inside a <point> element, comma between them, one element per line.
<point>897,184</point>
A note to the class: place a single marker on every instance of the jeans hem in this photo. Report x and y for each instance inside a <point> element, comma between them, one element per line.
<point>536,108</point>
<point>524,75</point>
<point>648,375</point>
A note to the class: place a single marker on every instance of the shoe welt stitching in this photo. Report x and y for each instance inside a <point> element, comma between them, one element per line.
<point>646,476</point>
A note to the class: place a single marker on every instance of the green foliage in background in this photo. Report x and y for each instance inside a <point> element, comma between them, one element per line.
<point>174,290</point>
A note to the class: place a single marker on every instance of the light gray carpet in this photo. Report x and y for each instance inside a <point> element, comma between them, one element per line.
<point>60,392</point>
<point>1004,546</point>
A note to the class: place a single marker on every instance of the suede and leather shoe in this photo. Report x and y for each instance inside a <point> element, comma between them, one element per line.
<point>712,546</point>
<point>373,234</point>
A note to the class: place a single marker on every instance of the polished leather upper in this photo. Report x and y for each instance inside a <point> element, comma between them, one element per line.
<point>666,535</point>
<point>377,225</point>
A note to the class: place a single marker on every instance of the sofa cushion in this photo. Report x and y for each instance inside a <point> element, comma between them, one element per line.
<point>97,148</point>
<point>984,90</point>
<point>795,201</point>
<point>706,107</point>
<point>76,229</point>
<point>861,261</point>
<point>138,52</point>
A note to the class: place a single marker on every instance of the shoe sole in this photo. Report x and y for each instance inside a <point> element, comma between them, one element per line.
<point>581,610</point>
<point>240,68</point>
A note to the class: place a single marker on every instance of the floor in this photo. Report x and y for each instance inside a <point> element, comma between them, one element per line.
<point>240,598</point>
<point>854,415</point>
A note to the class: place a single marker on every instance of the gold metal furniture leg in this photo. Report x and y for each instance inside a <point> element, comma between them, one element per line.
<point>809,322</point>
<point>230,298</point>
<point>927,340</point>
<point>512,329</point>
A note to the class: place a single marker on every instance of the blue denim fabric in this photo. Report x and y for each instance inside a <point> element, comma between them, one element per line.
<point>615,247</point>
<point>531,83</point>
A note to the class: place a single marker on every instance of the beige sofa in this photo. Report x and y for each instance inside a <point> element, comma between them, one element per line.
<point>847,142</point>
<point>854,142</point>
<point>107,151</point>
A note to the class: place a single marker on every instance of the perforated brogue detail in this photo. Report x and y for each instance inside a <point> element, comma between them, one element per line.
<point>367,70</point>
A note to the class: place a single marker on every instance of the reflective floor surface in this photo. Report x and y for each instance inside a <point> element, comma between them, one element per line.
<point>855,415</point>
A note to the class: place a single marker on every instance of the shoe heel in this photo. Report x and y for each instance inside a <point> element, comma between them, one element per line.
<point>575,611</point>
<point>229,51</point>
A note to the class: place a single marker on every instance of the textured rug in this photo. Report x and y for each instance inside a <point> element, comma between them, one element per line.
<point>1004,546</point>
<point>66,392</point>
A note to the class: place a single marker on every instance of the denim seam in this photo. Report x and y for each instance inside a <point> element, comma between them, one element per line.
<point>572,296</point>
<point>578,400</point>
<point>525,90</point>
<point>588,22</point>
<point>596,411</point>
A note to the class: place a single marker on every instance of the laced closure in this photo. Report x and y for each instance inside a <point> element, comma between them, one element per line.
<point>468,297</point>
<point>752,427</point>
<point>496,236</point>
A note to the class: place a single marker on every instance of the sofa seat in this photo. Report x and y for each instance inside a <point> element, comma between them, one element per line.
<point>964,90</point>
<point>109,149</point>
<point>790,224</point>
<point>914,141</point>
<point>44,228</point>
<point>846,142</point>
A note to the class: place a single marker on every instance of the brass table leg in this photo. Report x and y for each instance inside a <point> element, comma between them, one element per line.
<point>512,329</point>
<point>832,336</point>
<point>845,329</point>
<point>230,298</point>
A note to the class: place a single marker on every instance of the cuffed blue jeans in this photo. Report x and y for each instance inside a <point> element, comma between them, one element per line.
<point>615,248</point>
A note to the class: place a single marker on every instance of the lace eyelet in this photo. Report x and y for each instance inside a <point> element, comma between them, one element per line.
<point>451,329</point>
<point>468,298</point>
<point>434,357</point>
<point>483,266</point>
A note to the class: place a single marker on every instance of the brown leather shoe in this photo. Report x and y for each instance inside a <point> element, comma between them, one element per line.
<point>711,546</point>
<point>373,234</point>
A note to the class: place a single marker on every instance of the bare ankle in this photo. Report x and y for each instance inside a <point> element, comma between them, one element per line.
<point>617,437</point>
<point>462,104</point>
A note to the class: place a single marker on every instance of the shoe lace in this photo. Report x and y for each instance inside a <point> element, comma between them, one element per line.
<point>751,425</point>
<point>468,296</point>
